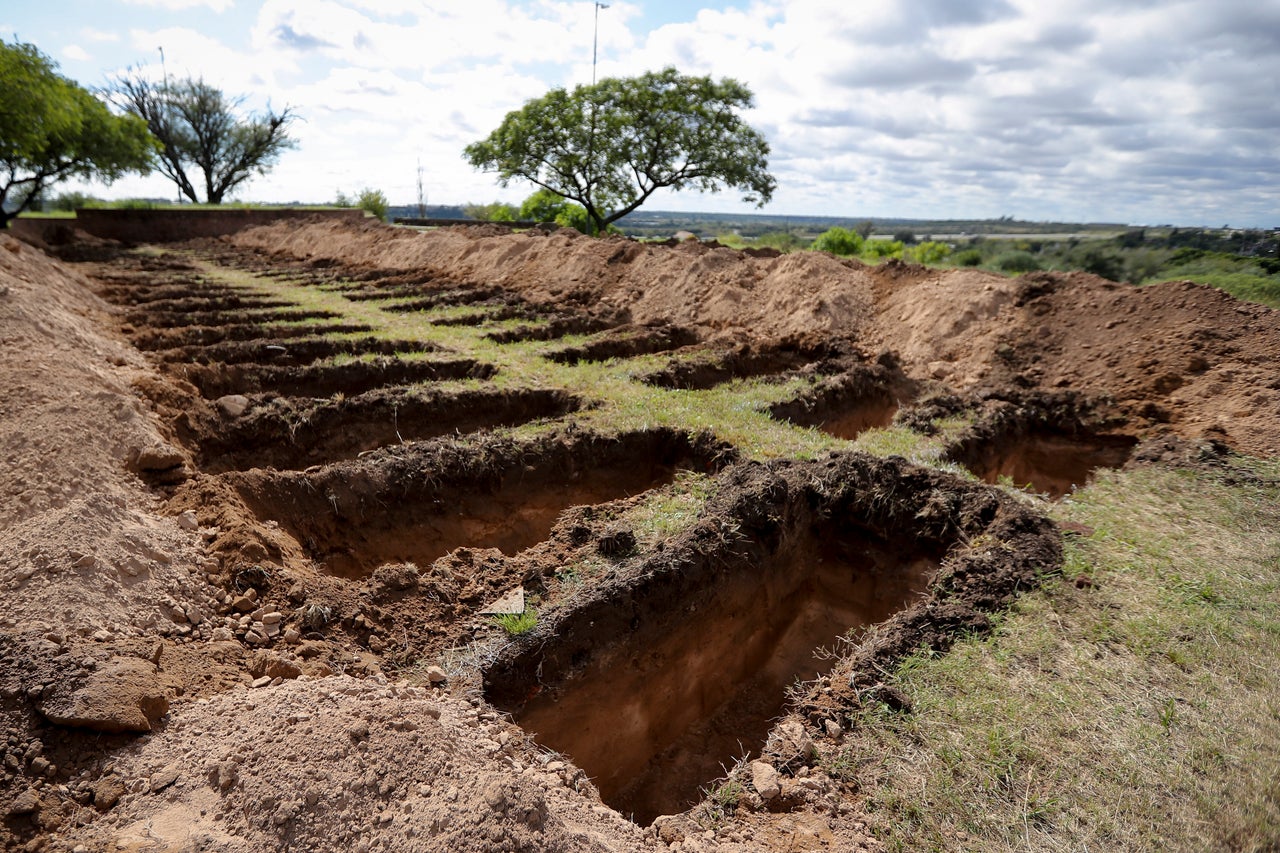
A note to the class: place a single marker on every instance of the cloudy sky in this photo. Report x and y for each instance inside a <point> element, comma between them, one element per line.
<point>1138,111</point>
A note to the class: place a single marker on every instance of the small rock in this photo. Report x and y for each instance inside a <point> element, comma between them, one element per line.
<point>232,405</point>
<point>436,675</point>
<point>245,603</point>
<point>188,521</point>
<point>261,682</point>
<point>163,779</point>
<point>222,635</point>
<point>668,830</point>
<point>224,775</point>
<point>792,744</point>
<point>25,803</point>
<point>107,791</point>
<point>122,696</point>
<point>158,457</point>
<point>832,728</point>
<point>765,780</point>
<point>272,665</point>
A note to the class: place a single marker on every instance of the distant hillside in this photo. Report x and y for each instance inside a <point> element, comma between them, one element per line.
<point>655,223</point>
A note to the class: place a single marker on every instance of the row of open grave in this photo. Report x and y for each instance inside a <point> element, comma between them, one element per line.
<point>660,653</point>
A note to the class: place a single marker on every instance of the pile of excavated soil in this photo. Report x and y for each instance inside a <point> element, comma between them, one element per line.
<point>1178,355</point>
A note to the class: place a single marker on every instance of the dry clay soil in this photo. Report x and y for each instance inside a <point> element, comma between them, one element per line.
<point>180,670</point>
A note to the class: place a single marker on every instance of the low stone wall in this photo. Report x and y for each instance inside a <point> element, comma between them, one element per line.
<point>165,226</point>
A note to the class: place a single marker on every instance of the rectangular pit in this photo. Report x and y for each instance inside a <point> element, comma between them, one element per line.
<point>431,498</point>
<point>1043,460</point>
<point>865,397</point>
<point>654,719</point>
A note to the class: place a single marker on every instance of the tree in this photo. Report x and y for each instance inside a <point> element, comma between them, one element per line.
<point>200,133</point>
<point>51,129</point>
<point>611,145</point>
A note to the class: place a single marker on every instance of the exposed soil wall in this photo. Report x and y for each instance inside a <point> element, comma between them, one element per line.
<point>167,226</point>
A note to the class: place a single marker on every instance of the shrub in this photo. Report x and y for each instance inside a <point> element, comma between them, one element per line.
<point>839,241</point>
<point>373,202</point>
<point>1017,262</point>
<point>493,212</point>
<point>783,241</point>
<point>967,258</point>
<point>1103,264</point>
<point>73,201</point>
<point>880,249</point>
<point>930,252</point>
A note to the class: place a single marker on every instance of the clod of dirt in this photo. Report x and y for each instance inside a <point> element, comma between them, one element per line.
<point>122,696</point>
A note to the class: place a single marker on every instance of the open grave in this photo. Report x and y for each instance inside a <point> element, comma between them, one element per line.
<point>663,679</point>
<point>863,397</point>
<point>1046,444</point>
<point>416,503</point>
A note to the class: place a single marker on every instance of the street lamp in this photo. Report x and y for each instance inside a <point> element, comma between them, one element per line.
<point>595,40</point>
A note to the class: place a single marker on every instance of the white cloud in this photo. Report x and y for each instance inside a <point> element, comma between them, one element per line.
<point>90,34</point>
<point>183,5</point>
<point>75,52</point>
<point>1079,110</point>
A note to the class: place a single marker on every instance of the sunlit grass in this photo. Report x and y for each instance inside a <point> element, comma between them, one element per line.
<point>1130,706</point>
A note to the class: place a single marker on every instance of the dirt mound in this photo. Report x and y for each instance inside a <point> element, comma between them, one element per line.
<point>1178,355</point>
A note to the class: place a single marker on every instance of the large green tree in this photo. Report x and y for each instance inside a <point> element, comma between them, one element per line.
<point>203,138</point>
<point>611,145</point>
<point>52,129</point>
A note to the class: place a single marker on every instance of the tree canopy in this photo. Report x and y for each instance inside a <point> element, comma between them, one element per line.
<point>201,134</point>
<point>51,129</point>
<point>611,145</point>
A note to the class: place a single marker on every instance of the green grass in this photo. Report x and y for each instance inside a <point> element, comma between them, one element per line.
<point>1251,287</point>
<point>516,624</point>
<point>1135,710</point>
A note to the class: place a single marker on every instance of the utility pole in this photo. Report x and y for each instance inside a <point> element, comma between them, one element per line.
<point>595,40</point>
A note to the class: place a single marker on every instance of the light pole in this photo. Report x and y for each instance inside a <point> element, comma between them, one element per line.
<point>595,40</point>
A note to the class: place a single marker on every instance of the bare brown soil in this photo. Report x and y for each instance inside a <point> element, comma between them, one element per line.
<point>228,559</point>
